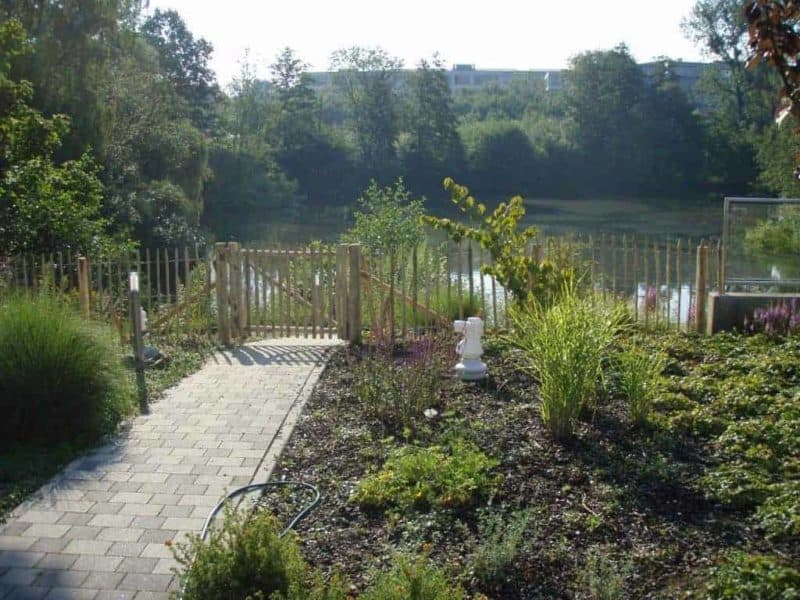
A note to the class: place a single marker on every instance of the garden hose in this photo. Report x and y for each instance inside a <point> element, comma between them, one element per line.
<point>263,486</point>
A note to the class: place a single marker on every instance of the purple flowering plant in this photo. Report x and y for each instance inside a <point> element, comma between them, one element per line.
<point>777,320</point>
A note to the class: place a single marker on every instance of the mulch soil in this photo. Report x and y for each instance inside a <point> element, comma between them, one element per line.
<point>624,493</point>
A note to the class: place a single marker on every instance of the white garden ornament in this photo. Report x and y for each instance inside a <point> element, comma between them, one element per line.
<point>470,367</point>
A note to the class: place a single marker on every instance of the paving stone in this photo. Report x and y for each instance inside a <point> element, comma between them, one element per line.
<point>41,516</point>
<point>158,536</point>
<point>148,522</point>
<point>138,565</point>
<point>105,508</point>
<point>175,511</point>
<point>92,547</point>
<point>97,563</point>
<point>55,560</point>
<point>17,543</point>
<point>132,498</point>
<point>116,594</point>
<point>103,581</point>
<point>19,577</point>
<point>82,532</point>
<point>63,593</point>
<point>49,545</point>
<point>145,582</point>
<point>27,593</point>
<point>41,530</point>
<point>75,519</point>
<point>57,578</point>
<point>120,534</point>
<point>111,521</point>
<point>156,551</point>
<point>152,596</point>
<point>14,559</point>
<point>132,549</point>
<point>13,528</point>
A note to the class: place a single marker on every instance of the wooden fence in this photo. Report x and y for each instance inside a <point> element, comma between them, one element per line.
<point>282,292</point>
<point>170,280</point>
<point>665,282</point>
<point>237,292</point>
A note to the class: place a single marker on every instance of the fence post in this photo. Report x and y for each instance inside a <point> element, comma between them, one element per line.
<point>341,291</point>
<point>354,295</point>
<point>221,271</point>
<point>701,287</point>
<point>83,285</point>
<point>238,318</point>
<point>137,338</point>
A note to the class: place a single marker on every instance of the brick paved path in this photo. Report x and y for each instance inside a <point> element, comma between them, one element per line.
<point>98,530</point>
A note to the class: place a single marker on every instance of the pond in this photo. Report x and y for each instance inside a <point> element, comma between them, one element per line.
<point>662,218</point>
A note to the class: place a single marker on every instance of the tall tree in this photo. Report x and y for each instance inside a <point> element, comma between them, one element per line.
<point>184,60</point>
<point>305,149</point>
<point>738,99</point>
<point>606,92</point>
<point>367,77</point>
<point>44,206</point>
<point>434,150</point>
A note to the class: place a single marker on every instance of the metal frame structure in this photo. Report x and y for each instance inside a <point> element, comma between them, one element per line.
<point>726,227</point>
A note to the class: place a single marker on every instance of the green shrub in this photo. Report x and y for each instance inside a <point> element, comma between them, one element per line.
<point>61,378</point>
<point>564,346</point>
<point>413,579</point>
<point>777,235</point>
<point>435,476</point>
<point>501,543</point>
<point>388,222</point>
<point>499,232</point>
<point>754,577</point>
<point>247,558</point>
<point>639,378</point>
<point>602,578</point>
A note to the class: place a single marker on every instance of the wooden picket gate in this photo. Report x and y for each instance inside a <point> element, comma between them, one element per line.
<point>308,292</point>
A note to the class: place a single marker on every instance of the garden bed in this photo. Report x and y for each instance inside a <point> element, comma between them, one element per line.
<point>615,506</point>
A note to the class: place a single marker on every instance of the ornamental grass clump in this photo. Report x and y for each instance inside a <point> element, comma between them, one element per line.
<point>639,378</point>
<point>564,346</point>
<point>62,378</point>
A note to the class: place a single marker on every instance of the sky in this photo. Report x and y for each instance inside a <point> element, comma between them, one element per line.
<point>513,34</point>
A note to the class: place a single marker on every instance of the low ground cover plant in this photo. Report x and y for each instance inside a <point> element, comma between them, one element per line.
<point>413,578</point>
<point>503,539</point>
<point>754,577</point>
<point>738,394</point>
<point>62,379</point>
<point>564,346</point>
<point>440,476</point>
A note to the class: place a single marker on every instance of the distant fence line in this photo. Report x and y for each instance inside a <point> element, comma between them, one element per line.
<point>306,291</point>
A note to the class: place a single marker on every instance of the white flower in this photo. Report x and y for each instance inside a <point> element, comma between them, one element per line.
<point>430,413</point>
